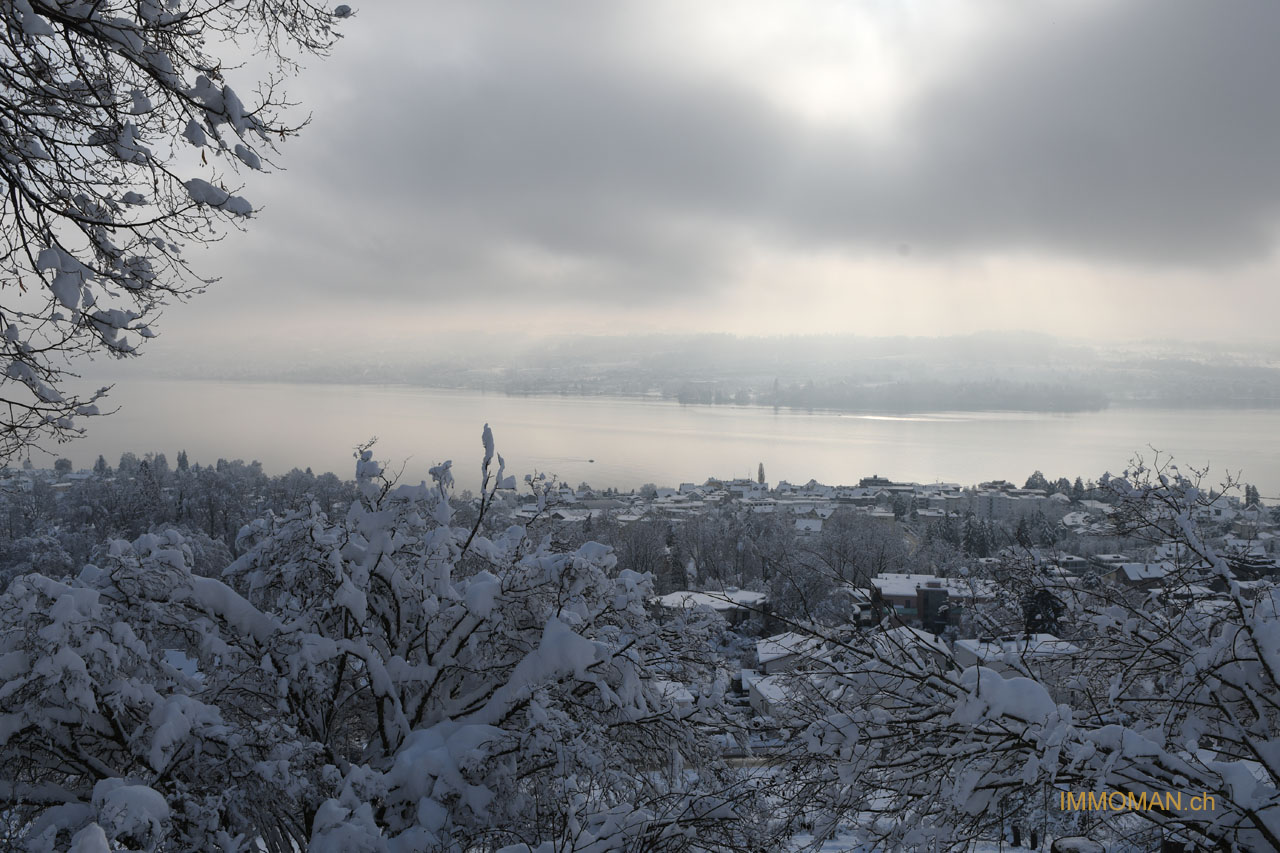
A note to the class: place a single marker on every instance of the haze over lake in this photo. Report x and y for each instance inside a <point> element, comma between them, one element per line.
<point>637,441</point>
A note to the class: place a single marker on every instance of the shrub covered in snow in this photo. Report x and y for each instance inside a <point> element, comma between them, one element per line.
<point>385,681</point>
<point>1163,697</point>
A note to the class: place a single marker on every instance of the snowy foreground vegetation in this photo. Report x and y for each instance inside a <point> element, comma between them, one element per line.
<point>386,667</point>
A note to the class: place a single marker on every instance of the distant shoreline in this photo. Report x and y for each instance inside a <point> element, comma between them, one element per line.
<point>1241,405</point>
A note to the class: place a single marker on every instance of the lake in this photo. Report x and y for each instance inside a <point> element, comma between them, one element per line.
<point>637,441</point>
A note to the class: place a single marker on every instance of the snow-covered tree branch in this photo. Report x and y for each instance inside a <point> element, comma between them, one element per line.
<point>385,681</point>
<point>118,123</point>
<point>1164,695</point>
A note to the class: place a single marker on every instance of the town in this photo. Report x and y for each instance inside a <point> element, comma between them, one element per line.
<point>1061,535</point>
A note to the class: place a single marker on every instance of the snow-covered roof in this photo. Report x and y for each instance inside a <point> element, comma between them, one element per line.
<point>906,637</point>
<point>1243,547</point>
<point>730,599</point>
<point>855,592</point>
<point>1169,549</point>
<point>570,514</point>
<point>1028,646</point>
<point>784,645</point>
<point>900,585</point>
<point>1145,571</point>
<point>771,688</point>
<point>896,585</point>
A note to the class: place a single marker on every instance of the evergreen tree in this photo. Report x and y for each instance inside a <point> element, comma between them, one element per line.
<point>1043,531</point>
<point>159,465</point>
<point>1077,491</point>
<point>101,468</point>
<point>183,464</point>
<point>1022,533</point>
<point>128,464</point>
<point>974,539</point>
<point>1041,612</point>
<point>951,531</point>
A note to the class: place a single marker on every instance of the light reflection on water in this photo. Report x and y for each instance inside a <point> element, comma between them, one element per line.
<point>636,441</point>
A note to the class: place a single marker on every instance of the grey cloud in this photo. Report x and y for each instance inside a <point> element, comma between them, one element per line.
<point>1143,134</point>
<point>1146,134</point>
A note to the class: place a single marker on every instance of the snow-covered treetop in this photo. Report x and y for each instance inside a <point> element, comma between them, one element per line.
<point>381,682</point>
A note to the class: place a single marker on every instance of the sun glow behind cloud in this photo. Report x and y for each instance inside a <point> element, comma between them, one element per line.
<point>1092,168</point>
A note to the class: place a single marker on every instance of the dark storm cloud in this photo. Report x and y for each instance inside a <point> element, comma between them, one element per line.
<point>557,149</point>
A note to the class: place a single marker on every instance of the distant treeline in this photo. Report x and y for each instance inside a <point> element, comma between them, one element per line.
<point>53,521</point>
<point>1023,372</point>
<point>918,396</point>
<point>1179,383</point>
<point>839,395</point>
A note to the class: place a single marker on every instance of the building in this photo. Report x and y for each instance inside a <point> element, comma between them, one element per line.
<point>767,695</point>
<point>920,598</point>
<point>1047,658</point>
<point>1142,575</point>
<point>735,605</point>
<point>906,642</point>
<point>784,652</point>
<point>1004,654</point>
<point>808,526</point>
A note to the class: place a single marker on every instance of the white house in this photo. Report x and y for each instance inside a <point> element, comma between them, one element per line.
<point>767,695</point>
<point>1144,574</point>
<point>1004,653</point>
<point>732,603</point>
<point>783,652</point>
<point>808,526</point>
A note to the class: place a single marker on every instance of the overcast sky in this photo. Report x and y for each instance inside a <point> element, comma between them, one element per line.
<point>870,166</point>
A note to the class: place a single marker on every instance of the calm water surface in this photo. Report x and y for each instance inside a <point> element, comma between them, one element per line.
<point>639,441</point>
